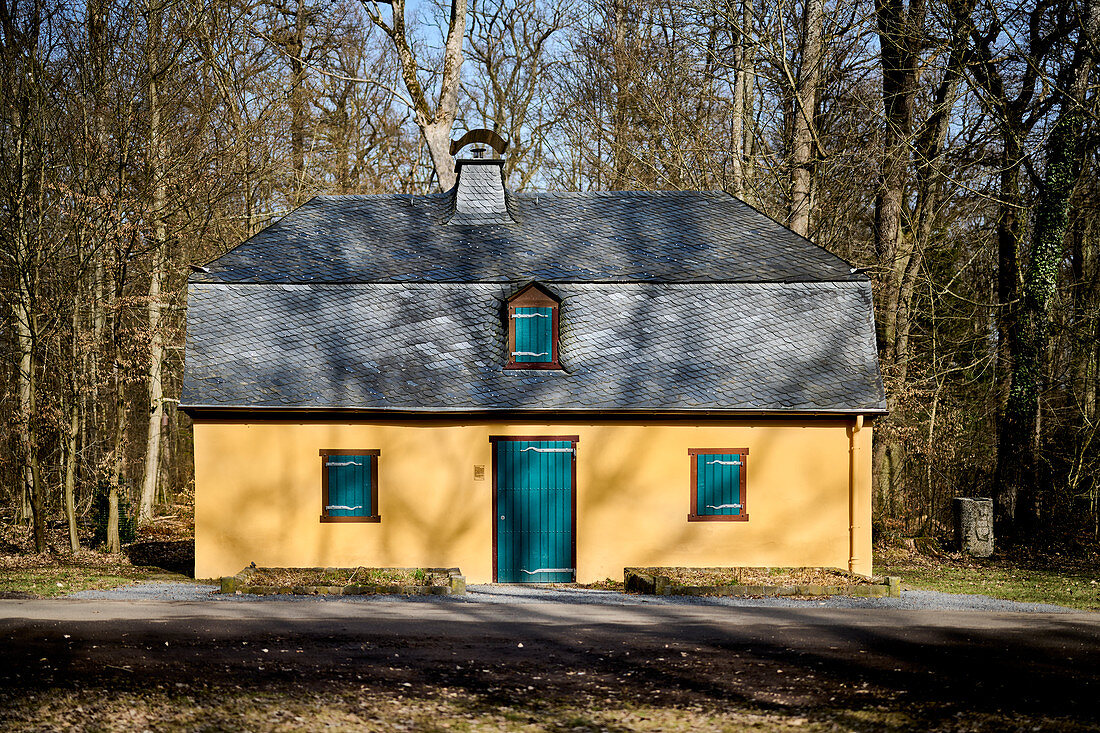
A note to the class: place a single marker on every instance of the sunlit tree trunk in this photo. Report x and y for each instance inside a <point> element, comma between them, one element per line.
<point>436,122</point>
<point>73,429</point>
<point>737,112</point>
<point>159,271</point>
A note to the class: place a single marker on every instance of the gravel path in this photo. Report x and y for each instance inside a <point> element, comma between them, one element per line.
<point>515,594</point>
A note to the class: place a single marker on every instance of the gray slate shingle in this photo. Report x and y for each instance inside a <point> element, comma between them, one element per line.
<point>681,236</point>
<point>440,347</point>
<point>479,197</point>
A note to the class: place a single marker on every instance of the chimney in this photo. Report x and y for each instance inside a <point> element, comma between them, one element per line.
<point>478,196</point>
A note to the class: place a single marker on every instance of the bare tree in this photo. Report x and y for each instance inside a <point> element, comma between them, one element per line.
<point>24,143</point>
<point>435,119</point>
<point>1019,497</point>
<point>511,78</point>
<point>803,142</point>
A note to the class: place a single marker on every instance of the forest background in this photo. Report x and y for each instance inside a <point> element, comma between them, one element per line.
<point>949,148</point>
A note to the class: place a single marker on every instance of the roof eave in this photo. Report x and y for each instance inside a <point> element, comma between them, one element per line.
<point>316,411</point>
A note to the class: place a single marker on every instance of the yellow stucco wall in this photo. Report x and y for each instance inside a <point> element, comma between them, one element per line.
<point>258,497</point>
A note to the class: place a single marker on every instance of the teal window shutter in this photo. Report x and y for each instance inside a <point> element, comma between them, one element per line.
<point>349,479</point>
<point>718,484</point>
<point>534,328</point>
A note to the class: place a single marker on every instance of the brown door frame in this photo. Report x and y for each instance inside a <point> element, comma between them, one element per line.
<point>494,439</point>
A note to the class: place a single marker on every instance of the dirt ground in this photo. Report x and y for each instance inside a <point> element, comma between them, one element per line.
<point>394,666</point>
<point>323,665</point>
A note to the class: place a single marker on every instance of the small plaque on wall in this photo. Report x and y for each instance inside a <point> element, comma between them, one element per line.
<point>479,473</point>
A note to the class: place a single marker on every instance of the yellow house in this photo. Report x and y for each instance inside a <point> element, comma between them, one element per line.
<point>533,387</point>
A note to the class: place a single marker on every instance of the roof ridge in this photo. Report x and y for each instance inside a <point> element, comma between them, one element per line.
<point>551,283</point>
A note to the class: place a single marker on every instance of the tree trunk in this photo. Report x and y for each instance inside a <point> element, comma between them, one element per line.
<point>748,139</point>
<point>621,144</point>
<point>1009,236</point>
<point>71,443</point>
<point>118,460</point>
<point>96,28</point>
<point>435,123</point>
<point>737,113</point>
<point>156,371</point>
<point>803,146</point>
<point>70,474</point>
<point>342,144</point>
<point>901,36</point>
<point>1017,455</point>
<point>117,456</point>
<point>437,135</point>
<point>295,48</point>
<point>1018,492</point>
<point>26,326</point>
<point>158,275</point>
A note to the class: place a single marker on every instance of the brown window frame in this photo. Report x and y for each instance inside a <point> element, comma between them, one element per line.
<point>694,515</point>
<point>533,295</point>
<point>373,517</point>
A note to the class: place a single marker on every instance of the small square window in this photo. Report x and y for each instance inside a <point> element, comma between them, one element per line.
<point>718,484</point>
<point>349,486</point>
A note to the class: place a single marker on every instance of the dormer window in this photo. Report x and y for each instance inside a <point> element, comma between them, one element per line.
<point>533,329</point>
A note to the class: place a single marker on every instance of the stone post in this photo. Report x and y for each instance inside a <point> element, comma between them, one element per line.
<point>974,526</point>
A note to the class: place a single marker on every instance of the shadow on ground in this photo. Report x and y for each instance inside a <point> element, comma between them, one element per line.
<point>888,671</point>
<point>175,556</point>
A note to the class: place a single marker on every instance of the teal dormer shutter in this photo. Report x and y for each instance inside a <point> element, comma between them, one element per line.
<point>534,335</point>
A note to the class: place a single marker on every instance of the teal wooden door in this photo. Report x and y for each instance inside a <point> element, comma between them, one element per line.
<point>533,541</point>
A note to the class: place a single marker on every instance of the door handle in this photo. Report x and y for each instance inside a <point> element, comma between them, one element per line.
<point>502,517</point>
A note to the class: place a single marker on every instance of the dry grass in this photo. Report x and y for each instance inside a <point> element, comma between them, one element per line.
<point>59,571</point>
<point>59,579</point>
<point>345,576</point>
<point>605,584</point>
<point>759,576</point>
<point>1062,581</point>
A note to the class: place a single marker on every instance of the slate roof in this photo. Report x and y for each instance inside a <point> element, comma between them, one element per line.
<point>681,236</point>
<point>671,302</point>
<point>439,348</point>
